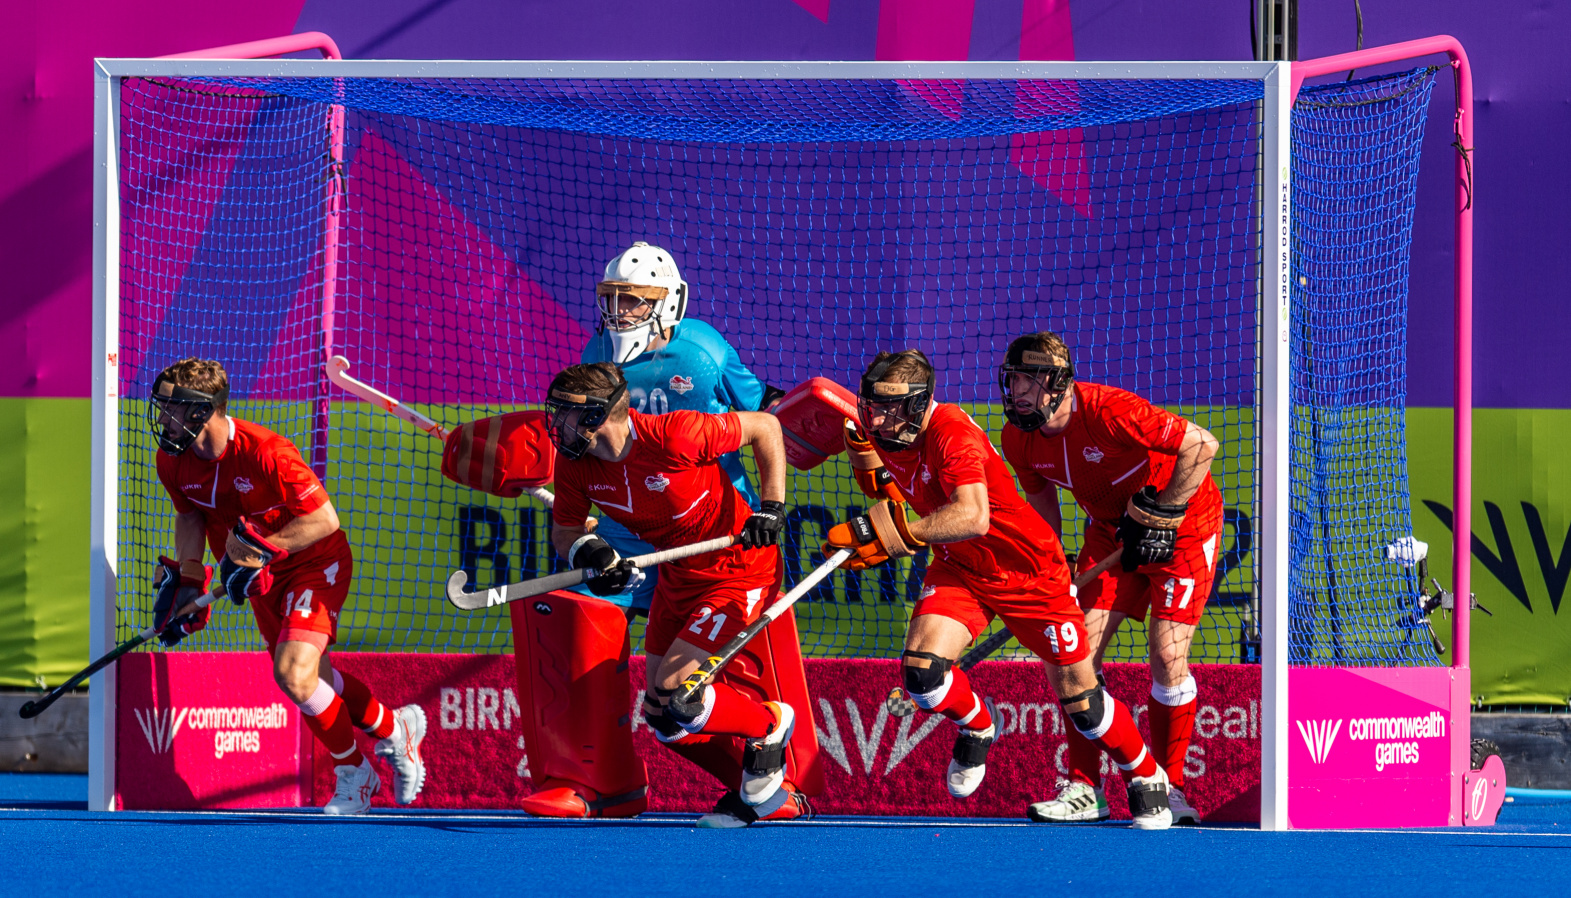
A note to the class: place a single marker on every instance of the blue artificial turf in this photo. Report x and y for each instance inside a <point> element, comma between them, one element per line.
<point>55,849</point>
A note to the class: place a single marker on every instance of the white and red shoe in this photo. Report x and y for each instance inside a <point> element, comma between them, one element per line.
<point>402,751</point>
<point>355,787</point>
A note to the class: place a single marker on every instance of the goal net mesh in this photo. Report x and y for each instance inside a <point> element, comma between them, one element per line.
<point>817,221</point>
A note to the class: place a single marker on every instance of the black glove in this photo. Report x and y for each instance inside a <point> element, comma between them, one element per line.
<point>763,528</point>
<point>615,573</point>
<point>1149,529</point>
<point>618,578</point>
<point>242,581</point>
<point>174,592</point>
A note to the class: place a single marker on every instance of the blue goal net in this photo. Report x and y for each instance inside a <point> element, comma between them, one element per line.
<point>817,222</point>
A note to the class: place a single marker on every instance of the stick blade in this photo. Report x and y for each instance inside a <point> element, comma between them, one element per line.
<point>30,710</point>
<point>466,601</point>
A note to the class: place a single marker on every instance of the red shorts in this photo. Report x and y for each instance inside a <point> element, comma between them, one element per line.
<point>1175,591</point>
<point>708,607</point>
<point>1037,610</point>
<point>304,602</point>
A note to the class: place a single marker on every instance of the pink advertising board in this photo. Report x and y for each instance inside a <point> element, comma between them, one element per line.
<point>1378,747</point>
<point>206,730</point>
<point>873,763</point>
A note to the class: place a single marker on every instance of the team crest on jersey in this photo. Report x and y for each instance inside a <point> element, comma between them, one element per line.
<point>927,475</point>
<point>681,384</point>
<point>656,482</point>
<point>242,484</point>
<point>1092,454</point>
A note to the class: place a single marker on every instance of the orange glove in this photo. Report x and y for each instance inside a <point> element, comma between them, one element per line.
<point>866,467</point>
<point>877,536</point>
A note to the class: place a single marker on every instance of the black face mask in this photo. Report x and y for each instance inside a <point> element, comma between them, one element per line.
<point>1054,380</point>
<point>593,413</point>
<point>187,411</point>
<point>907,408</point>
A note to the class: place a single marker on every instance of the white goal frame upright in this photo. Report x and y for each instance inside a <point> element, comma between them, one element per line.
<point>1273,190</point>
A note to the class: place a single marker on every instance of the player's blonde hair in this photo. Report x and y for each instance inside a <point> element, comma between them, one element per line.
<point>595,379</point>
<point>206,375</point>
<point>909,366</point>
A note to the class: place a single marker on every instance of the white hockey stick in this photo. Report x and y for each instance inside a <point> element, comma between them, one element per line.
<point>338,373</point>
<point>523,589</point>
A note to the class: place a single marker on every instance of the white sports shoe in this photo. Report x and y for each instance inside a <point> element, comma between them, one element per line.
<point>968,764</point>
<point>355,787</point>
<point>763,761</point>
<point>1183,813</point>
<point>402,751</point>
<point>1148,801</point>
<point>1076,802</point>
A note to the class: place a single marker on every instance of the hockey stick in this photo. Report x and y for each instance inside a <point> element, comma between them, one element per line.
<point>34,708</point>
<point>900,704</point>
<point>688,691</point>
<point>523,589</point>
<point>338,373</point>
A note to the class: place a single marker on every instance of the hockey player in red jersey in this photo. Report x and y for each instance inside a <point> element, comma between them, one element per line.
<point>991,555</point>
<point>1143,477</point>
<point>246,492</point>
<point>660,477</point>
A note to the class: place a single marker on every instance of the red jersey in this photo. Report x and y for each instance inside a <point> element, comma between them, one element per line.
<point>952,452</point>
<point>260,475</point>
<point>669,490</point>
<point>1116,443</point>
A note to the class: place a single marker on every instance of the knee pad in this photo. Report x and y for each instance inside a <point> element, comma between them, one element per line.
<point>1176,696</point>
<point>927,686</point>
<point>1096,718</point>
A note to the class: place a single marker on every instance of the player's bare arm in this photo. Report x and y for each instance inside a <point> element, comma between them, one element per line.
<point>1194,463</point>
<point>965,517</point>
<point>762,431</point>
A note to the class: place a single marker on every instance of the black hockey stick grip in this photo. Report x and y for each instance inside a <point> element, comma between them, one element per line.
<point>688,691</point>
<point>523,589</point>
<point>32,709</point>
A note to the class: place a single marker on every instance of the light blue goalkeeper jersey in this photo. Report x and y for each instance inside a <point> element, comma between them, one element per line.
<point>697,370</point>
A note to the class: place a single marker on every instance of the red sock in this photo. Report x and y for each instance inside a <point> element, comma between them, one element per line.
<point>365,711</point>
<point>719,756</point>
<point>961,704</point>
<point>328,719</point>
<point>1085,759</point>
<point>730,713</point>
<point>1120,738</point>
<point>1172,725</point>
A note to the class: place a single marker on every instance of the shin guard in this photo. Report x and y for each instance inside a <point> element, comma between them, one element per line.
<point>576,698</point>
<point>770,669</point>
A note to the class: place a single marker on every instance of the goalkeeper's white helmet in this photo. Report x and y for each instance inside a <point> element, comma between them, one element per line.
<point>647,274</point>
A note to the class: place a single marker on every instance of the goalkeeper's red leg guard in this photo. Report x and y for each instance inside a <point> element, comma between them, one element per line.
<point>719,756</point>
<point>576,698</point>
<point>770,669</point>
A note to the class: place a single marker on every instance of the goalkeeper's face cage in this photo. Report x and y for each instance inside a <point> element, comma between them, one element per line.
<point>641,296</point>
<point>575,417</point>
<point>176,414</point>
<point>1034,384</point>
<point>892,414</point>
